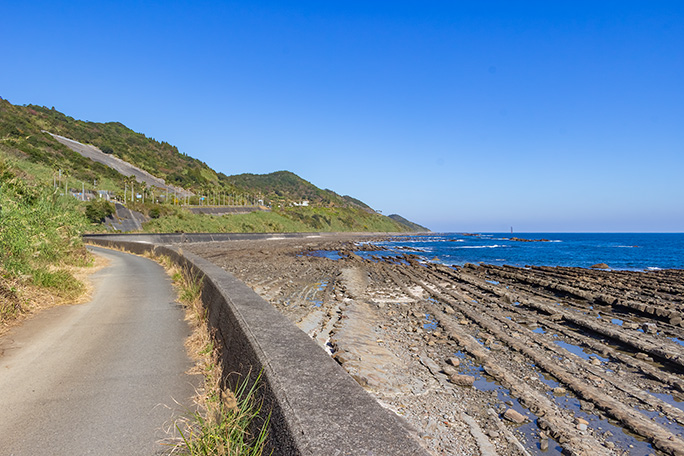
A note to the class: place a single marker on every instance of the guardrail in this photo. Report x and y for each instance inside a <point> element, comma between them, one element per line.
<point>316,407</point>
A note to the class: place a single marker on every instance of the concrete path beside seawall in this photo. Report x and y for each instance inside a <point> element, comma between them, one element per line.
<point>315,407</point>
<point>107,377</point>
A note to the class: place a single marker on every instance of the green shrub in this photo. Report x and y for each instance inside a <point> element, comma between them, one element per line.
<point>61,281</point>
<point>97,210</point>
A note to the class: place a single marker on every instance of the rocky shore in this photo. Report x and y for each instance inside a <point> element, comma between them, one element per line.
<point>489,360</point>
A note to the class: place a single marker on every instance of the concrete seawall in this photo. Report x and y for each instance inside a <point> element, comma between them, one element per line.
<point>316,407</point>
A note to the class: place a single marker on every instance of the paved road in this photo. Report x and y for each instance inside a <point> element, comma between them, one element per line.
<point>99,378</point>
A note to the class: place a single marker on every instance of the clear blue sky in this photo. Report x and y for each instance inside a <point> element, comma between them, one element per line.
<point>459,115</point>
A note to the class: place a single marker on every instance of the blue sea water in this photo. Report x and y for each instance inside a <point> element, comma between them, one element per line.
<point>624,251</point>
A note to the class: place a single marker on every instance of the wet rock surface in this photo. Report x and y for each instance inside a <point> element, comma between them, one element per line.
<point>488,359</point>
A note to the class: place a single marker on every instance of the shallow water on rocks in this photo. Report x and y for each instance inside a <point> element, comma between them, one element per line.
<point>675,401</point>
<point>528,432</point>
<point>430,323</point>
<point>584,353</point>
<point>621,437</point>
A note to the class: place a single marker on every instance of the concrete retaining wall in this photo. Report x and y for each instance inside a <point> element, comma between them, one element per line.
<point>316,407</point>
<point>182,238</point>
<point>226,210</point>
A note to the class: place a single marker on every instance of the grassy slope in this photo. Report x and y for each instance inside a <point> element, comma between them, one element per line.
<point>256,222</point>
<point>409,224</point>
<point>40,237</point>
<point>301,219</point>
<point>158,158</point>
<point>343,219</point>
<point>21,137</point>
<point>24,144</point>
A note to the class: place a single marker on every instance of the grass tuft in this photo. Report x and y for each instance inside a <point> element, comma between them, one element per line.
<point>224,424</point>
<point>224,427</point>
<point>63,282</point>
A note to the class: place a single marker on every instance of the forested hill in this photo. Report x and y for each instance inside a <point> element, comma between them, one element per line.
<point>23,126</point>
<point>411,225</point>
<point>24,137</point>
<point>282,187</point>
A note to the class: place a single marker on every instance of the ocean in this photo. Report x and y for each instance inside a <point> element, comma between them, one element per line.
<point>620,251</point>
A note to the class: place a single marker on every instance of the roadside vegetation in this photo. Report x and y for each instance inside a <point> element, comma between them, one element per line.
<point>97,210</point>
<point>225,422</point>
<point>40,241</point>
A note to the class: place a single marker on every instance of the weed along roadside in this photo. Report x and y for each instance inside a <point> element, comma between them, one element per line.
<point>42,259</point>
<point>303,401</point>
<point>228,422</point>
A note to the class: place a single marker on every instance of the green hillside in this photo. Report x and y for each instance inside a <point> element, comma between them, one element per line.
<point>409,224</point>
<point>282,188</point>
<point>22,140</point>
<point>25,144</point>
<point>21,127</point>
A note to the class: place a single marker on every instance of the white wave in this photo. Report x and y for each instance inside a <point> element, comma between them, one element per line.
<point>653,268</point>
<point>416,249</point>
<point>482,246</point>
<point>420,241</point>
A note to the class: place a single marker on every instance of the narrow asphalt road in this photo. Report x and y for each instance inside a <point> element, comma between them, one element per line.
<point>105,378</point>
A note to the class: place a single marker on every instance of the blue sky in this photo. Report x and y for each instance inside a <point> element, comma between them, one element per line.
<point>459,115</point>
